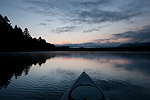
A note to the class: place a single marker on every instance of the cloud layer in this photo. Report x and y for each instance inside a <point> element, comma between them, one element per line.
<point>138,36</point>
<point>142,35</point>
<point>87,11</point>
<point>66,29</point>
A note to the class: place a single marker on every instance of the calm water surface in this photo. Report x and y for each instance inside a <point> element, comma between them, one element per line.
<point>47,75</point>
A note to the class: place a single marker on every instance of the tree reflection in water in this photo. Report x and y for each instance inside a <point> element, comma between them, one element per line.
<point>14,64</point>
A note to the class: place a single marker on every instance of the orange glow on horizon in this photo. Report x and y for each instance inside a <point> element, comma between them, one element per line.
<point>65,42</point>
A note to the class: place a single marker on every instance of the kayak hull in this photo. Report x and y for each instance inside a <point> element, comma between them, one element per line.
<point>84,88</point>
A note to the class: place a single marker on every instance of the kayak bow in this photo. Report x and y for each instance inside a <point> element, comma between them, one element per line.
<point>84,88</point>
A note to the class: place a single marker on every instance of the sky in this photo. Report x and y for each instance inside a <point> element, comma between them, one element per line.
<point>82,23</point>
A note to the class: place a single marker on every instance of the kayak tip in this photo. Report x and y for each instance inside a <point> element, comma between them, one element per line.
<point>83,72</point>
<point>84,88</point>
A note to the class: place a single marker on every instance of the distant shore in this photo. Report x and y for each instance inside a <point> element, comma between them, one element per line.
<point>104,49</point>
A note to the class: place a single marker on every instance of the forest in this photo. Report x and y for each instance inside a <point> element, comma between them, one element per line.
<point>16,40</point>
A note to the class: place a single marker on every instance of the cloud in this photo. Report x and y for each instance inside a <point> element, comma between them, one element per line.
<point>43,24</point>
<point>142,35</point>
<point>100,16</point>
<point>62,13</point>
<point>101,40</point>
<point>95,3</point>
<point>65,29</point>
<point>49,20</point>
<point>87,11</point>
<point>92,29</point>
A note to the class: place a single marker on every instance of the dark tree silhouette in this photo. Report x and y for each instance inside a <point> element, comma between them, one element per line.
<point>26,32</point>
<point>14,39</point>
<point>41,40</point>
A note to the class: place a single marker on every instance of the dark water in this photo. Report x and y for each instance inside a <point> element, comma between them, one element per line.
<point>47,75</point>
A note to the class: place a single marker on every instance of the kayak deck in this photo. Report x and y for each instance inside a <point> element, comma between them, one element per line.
<point>84,89</point>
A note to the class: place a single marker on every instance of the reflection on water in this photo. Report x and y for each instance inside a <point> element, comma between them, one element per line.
<point>47,75</point>
<point>14,64</point>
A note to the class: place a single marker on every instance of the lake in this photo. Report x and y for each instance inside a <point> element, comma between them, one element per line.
<point>48,75</point>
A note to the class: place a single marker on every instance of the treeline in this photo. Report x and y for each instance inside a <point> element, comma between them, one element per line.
<point>14,39</point>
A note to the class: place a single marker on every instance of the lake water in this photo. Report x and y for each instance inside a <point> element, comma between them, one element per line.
<point>48,75</point>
